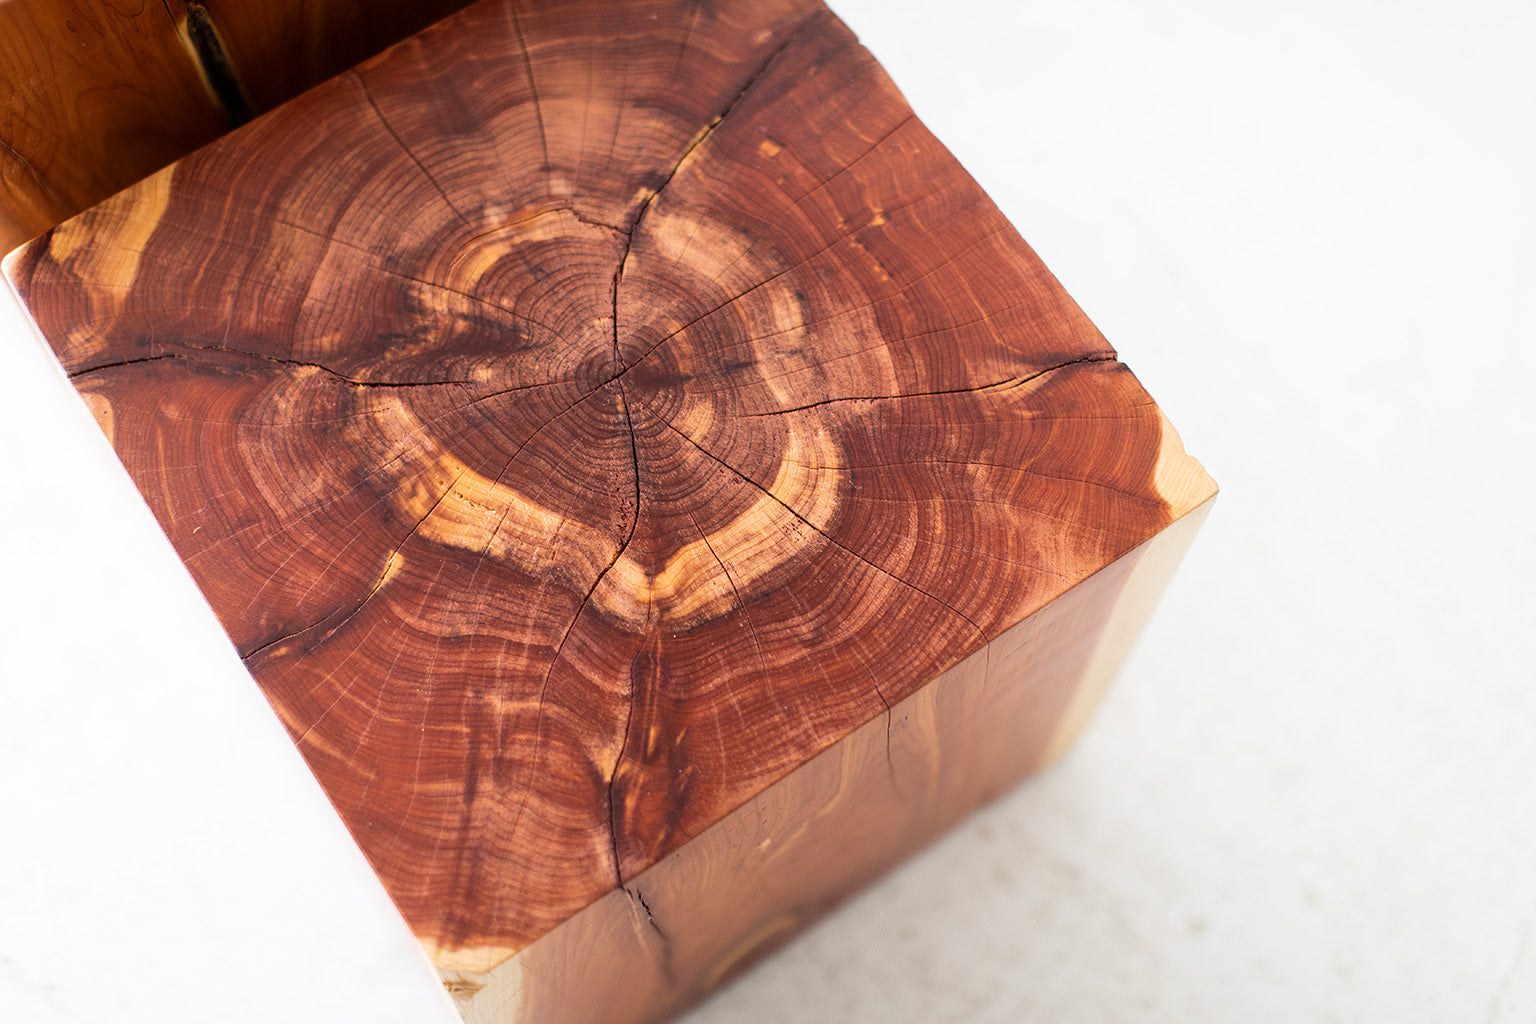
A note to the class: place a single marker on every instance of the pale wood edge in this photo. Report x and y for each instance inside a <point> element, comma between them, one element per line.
<point>1158,559</point>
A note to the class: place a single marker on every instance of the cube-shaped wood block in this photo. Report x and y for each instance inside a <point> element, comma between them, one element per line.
<point>653,483</point>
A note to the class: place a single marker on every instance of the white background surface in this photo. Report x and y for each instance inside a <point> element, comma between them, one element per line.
<point>1307,227</point>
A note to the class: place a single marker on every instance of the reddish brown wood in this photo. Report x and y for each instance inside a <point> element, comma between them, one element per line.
<point>96,94</point>
<point>586,415</point>
<point>279,48</point>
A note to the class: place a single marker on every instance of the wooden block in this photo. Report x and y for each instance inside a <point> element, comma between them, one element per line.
<point>653,483</point>
<point>96,94</point>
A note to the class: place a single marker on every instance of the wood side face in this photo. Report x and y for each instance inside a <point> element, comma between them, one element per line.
<point>578,441</point>
<point>279,49</point>
<point>97,94</point>
<point>754,879</point>
<point>94,95</point>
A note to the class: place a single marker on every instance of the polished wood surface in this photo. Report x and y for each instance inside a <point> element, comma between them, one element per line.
<point>96,94</point>
<point>279,48</point>
<point>585,415</point>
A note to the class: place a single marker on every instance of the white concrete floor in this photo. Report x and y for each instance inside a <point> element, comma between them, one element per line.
<point>1310,795</point>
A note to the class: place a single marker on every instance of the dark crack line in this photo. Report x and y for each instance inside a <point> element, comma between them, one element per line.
<point>618,276</point>
<point>349,380</point>
<point>829,538</point>
<point>583,218</point>
<point>126,362</point>
<point>835,175</point>
<point>484,559</point>
<point>650,918</point>
<point>1006,384</point>
<point>560,647</point>
<point>688,151</point>
<point>352,381</point>
<point>516,452</point>
<point>549,671</point>
<point>368,95</point>
<point>794,267</point>
<point>613,779</point>
<point>514,389</point>
<point>501,474</point>
<point>383,577</point>
<point>874,684</point>
<point>909,119</point>
<point>860,653</point>
<point>279,360</point>
<point>637,898</point>
<point>422,427</point>
<point>502,521</point>
<point>358,607</point>
<point>202,38</point>
<point>613,834</point>
<point>792,206</point>
<point>890,761</point>
<point>634,450</point>
<point>533,89</point>
<point>566,206</point>
<point>634,455</point>
<point>881,343</point>
<point>316,509</point>
<point>709,129</point>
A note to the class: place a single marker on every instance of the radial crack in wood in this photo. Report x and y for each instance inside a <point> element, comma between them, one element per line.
<point>725,555</point>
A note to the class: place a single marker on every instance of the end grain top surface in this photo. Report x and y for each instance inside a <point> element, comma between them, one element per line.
<point>582,414</point>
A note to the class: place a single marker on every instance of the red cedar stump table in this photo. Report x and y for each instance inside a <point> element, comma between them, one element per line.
<point>653,483</point>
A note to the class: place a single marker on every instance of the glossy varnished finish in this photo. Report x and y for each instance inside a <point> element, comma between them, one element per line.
<point>95,94</point>
<point>279,48</point>
<point>578,444</point>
